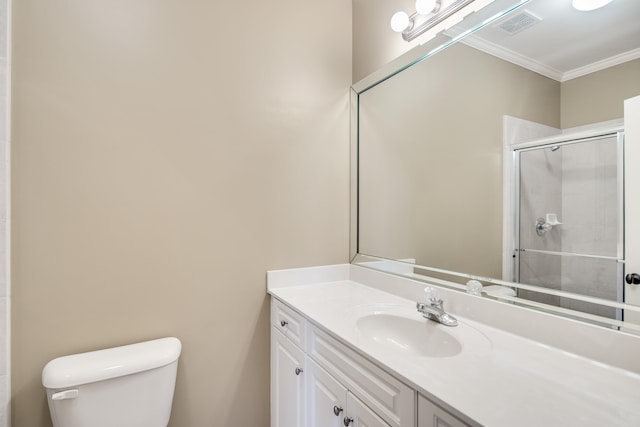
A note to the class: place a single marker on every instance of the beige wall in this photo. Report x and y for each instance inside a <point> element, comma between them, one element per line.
<point>165,155</point>
<point>599,96</point>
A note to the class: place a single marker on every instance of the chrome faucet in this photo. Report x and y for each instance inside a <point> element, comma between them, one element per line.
<point>433,309</point>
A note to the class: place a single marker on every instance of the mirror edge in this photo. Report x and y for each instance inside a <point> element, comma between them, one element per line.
<point>353,174</point>
<point>407,270</point>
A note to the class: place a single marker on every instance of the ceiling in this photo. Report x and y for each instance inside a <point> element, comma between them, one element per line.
<point>565,43</point>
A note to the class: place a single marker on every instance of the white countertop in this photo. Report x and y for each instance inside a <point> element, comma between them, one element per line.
<point>498,379</point>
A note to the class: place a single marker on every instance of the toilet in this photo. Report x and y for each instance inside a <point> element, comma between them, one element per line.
<point>128,386</point>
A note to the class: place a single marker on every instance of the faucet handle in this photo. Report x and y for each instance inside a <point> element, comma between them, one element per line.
<point>431,294</point>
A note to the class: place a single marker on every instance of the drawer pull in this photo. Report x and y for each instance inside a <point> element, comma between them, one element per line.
<point>337,410</point>
<point>347,421</point>
<point>298,371</point>
<point>283,323</point>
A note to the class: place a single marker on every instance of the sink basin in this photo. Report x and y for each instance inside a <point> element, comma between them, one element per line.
<point>417,336</point>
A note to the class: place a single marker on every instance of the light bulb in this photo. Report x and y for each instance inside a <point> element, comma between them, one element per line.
<point>425,7</point>
<point>589,4</point>
<point>399,21</point>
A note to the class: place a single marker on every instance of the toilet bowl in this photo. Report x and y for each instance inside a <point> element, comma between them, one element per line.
<point>128,386</point>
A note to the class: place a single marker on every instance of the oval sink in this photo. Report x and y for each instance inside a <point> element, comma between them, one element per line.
<point>420,337</point>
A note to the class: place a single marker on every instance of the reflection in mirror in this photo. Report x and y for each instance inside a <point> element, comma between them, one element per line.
<point>577,245</point>
<point>501,156</point>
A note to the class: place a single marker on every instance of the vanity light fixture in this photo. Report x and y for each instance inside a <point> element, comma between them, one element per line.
<point>425,7</point>
<point>586,5</point>
<point>428,14</point>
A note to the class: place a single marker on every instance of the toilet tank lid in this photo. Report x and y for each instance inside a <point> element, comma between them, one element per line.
<point>85,368</point>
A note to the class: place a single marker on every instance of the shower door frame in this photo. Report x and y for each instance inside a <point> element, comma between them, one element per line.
<point>561,140</point>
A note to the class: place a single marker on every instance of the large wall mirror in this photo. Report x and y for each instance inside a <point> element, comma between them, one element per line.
<point>499,156</point>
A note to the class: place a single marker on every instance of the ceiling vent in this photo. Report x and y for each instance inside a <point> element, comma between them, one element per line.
<point>520,22</point>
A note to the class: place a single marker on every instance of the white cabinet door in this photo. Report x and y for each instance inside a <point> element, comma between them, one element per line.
<point>287,382</point>
<point>326,398</point>
<point>387,396</point>
<point>430,415</point>
<point>632,202</point>
<point>359,415</point>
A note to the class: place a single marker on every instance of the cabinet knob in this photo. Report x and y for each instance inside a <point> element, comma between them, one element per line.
<point>298,371</point>
<point>337,410</point>
<point>347,421</point>
<point>283,323</point>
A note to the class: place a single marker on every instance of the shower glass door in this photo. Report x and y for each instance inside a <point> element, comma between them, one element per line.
<point>569,221</point>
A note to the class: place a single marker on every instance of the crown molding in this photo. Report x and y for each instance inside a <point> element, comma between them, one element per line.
<point>513,57</point>
<point>601,65</point>
<point>543,69</point>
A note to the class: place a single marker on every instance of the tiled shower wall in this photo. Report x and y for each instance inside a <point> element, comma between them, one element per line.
<point>590,212</point>
<point>5,294</point>
<point>540,193</point>
<point>575,195</point>
<point>578,182</point>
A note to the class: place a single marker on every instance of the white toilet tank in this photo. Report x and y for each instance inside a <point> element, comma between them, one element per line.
<point>128,386</point>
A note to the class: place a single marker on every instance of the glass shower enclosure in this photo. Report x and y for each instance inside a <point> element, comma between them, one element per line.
<point>569,224</point>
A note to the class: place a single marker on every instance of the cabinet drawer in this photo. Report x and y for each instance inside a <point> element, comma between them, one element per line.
<point>389,398</point>
<point>288,322</point>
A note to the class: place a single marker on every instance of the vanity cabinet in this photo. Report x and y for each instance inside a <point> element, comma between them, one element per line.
<point>316,381</point>
<point>431,415</point>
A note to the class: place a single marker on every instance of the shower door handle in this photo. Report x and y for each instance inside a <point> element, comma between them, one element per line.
<point>633,279</point>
